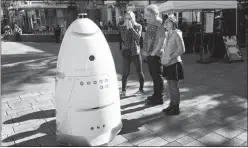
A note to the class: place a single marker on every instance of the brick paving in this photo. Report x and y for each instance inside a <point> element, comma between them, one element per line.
<point>213,103</point>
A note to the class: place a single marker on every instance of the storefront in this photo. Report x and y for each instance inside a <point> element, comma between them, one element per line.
<point>38,15</point>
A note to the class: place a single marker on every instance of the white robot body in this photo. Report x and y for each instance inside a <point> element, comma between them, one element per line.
<point>87,95</point>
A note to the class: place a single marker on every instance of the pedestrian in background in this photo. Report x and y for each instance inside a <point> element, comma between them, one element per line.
<point>244,28</point>
<point>153,42</point>
<point>57,32</point>
<point>17,32</point>
<point>172,63</point>
<point>130,34</point>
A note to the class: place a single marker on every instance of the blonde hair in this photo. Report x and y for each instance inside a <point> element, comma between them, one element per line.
<point>153,9</point>
<point>132,15</point>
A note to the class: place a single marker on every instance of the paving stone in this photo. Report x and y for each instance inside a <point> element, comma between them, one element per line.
<point>15,111</point>
<point>125,144</point>
<point>152,112</point>
<point>213,139</point>
<point>4,106</point>
<point>42,104</point>
<point>244,144</point>
<point>29,95</point>
<point>241,123</point>
<point>29,98</point>
<point>173,134</point>
<point>140,132</point>
<point>206,121</point>
<point>243,136</point>
<point>9,125</point>
<point>6,118</point>
<point>197,134</point>
<point>30,143</point>
<point>47,141</point>
<point>156,125</point>
<point>20,106</point>
<point>45,130</point>
<point>212,127</point>
<point>192,127</point>
<point>11,99</point>
<point>29,129</point>
<point>138,113</point>
<point>7,130</point>
<point>27,125</point>
<point>141,139</point>
<point>185,122</point>
<point>229,131</point>
<point>50,107</point>
<point>34,112</point>
<point>195,144</point>
<point>185,140</point>
<point>173,144</point>
<point>4,112</point>
<point>44,97</point>
<point>3,136</point>
<point>117,140</point>
<point>133,117</point>
<point>8,144</point>
<point>154,142</point>
<point>233,142</point>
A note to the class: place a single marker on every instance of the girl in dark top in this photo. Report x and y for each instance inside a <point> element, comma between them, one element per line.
<point>130,34</point>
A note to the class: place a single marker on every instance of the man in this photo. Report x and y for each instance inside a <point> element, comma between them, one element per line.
<point>57,32</point>
<point>244,28</point>
<point>153,42</point>
<point>17,32</point>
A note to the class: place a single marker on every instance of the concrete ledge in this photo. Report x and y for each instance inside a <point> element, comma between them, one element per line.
<point>51,38</point>
<point>34,38</point>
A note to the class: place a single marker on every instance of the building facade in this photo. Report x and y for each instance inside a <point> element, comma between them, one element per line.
<point>35,15</point>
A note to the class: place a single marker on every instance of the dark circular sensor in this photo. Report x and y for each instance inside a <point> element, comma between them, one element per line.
<point>92,58</point>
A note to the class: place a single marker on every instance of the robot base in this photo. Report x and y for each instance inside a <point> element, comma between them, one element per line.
<point>70,140</point>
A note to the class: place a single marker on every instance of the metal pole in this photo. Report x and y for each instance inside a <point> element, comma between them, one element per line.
<point>246,36</point>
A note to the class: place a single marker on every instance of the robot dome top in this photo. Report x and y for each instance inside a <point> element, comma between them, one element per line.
<point>84,26</point>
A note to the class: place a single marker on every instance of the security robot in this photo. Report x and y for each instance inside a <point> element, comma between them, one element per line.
<point>87,95</point>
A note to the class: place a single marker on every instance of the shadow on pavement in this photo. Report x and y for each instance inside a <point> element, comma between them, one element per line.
<point>214,95</point>
<point>32,64</point>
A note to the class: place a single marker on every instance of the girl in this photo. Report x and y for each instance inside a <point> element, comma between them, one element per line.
<point>172,63</point>
<point>130,34</point>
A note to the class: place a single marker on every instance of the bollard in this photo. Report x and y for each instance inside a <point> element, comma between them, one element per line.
<point>86,90</point>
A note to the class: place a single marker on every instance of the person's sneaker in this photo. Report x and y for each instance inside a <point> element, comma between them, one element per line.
<point>167,109</point>
<point>174,110</point>
<point>139,93</point>
<point>123,94</point>
<point>155,102</point>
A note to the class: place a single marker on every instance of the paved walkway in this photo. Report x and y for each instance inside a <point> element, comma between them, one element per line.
<point>213,106</point>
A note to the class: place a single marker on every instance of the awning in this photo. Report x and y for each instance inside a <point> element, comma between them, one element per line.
<point>183,6</point>
<point>41,5</point>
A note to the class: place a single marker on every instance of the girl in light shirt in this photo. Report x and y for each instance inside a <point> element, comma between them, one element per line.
<point>172,63</point>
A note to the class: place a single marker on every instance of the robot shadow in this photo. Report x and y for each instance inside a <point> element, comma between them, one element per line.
<point>47,128</point>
